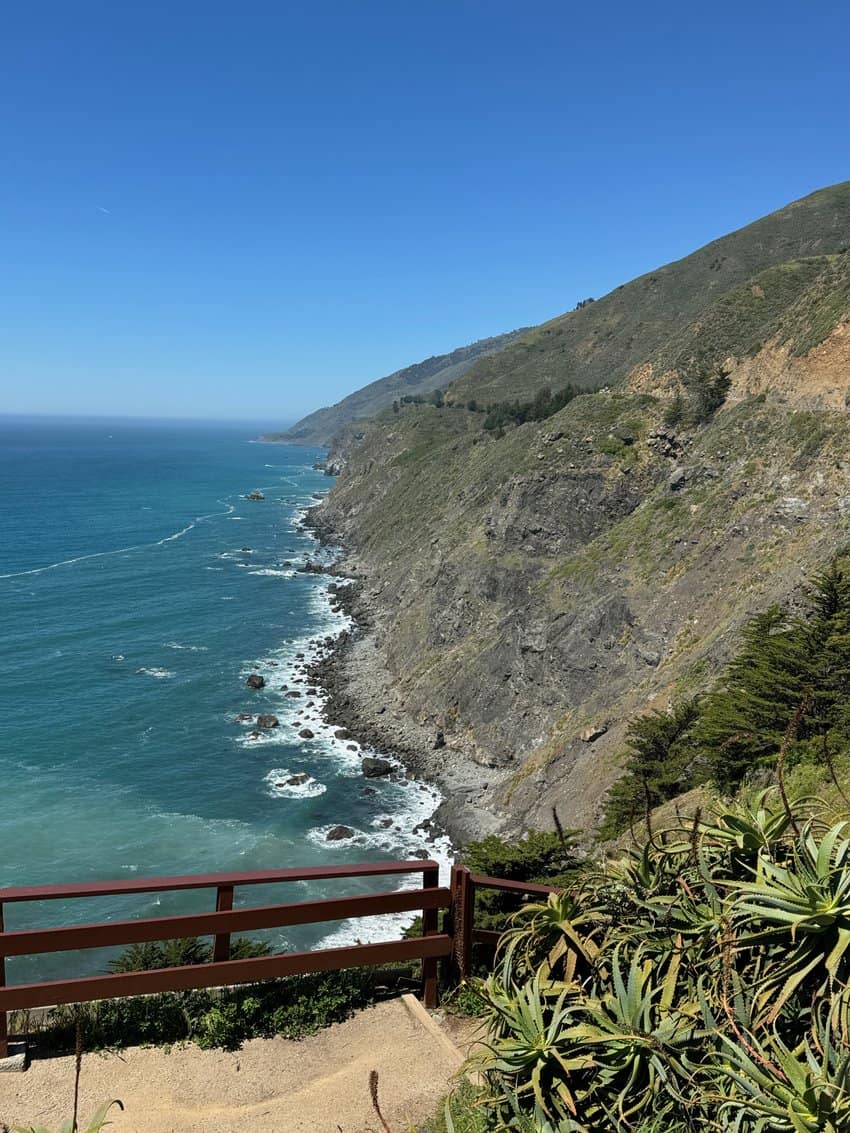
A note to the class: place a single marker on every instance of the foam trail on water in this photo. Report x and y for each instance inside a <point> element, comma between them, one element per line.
<point>121,550</point>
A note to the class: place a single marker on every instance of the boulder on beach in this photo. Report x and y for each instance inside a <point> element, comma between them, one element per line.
<point>339,834</point>
<point>306,734</point>
<point>374,766</point>
<point>311,568</point>
<point>343,734</point>
<point>268,721</point>
<point>256,681</point>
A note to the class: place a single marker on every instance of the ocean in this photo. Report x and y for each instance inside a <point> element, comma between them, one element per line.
<point>138,590</point>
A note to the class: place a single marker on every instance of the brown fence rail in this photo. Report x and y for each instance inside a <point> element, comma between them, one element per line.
<point>464,885</point>
<point>454,942</point>
<point>220,924</point>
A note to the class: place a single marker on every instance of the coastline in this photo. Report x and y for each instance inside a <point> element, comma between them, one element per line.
<point>361,696</point>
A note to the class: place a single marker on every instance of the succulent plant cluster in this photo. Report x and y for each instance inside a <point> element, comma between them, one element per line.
<point>699,982</point>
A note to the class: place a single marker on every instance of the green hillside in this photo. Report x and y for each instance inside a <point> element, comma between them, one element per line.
<point>321,427</point>
<point>536,584</point>
<point>603,341</point>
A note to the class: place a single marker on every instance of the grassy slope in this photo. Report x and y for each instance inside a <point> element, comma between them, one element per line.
<point>423,377</point>
<point>601,343</point>
<point>550,579</point>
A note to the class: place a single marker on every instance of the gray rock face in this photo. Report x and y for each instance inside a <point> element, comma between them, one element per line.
<point>554,513</point>
<point>677,479</point>
<point>374,767</point>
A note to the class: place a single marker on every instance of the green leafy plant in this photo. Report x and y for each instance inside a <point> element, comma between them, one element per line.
<point>94,1124</point>
<point>700,981</point>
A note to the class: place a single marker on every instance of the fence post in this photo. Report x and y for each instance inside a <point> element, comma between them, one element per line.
<point>223,904</point>
<point>4,1028</point>
<point>430,926</point>
<point>463,920</point>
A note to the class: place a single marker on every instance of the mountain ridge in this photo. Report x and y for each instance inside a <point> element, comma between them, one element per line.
<point>526,591</point>
<point>418,379</point>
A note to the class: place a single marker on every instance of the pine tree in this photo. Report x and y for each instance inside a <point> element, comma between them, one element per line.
<point>661,764</point>
<point>745,718</point>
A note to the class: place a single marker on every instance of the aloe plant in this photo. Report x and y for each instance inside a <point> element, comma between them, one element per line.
<point>701,982</point>
<point>95,1124</point>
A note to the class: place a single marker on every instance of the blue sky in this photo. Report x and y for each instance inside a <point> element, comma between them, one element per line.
<point>250,209</point>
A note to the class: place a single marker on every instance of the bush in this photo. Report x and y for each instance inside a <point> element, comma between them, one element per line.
<point>293,1008</point>
<point>702,982</point>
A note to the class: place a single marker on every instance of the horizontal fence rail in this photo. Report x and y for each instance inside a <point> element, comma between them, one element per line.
<point>454,943</point>
<point>430,947</point>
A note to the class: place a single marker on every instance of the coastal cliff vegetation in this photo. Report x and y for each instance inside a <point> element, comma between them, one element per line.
<point>575,535</point>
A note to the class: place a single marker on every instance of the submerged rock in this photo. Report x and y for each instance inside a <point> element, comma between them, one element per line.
<point>294,780</point>
<point>339,834</point>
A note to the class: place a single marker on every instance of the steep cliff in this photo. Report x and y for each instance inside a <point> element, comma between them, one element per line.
<point>530,591</point>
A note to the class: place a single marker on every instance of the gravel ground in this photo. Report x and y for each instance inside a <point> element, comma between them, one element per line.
<point>317,1085</point>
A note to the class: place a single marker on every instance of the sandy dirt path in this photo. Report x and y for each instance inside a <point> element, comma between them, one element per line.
<point>317,1085</point>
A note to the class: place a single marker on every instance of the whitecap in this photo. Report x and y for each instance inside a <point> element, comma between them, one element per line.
<point>189,648</point>
<point>155,671</point>
<point>279,788</point>
<point>266,737</point>
<point>271,572</point>
<point>319,837</point>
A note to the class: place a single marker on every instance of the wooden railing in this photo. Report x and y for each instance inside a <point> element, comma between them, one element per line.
<point>220,924</point>
<point>454,943</point>
<point>464,885</point>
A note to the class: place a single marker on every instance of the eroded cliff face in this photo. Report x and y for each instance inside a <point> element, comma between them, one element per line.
<point>528,595</point>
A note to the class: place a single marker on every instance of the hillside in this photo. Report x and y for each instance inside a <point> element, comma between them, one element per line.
<point>530,590</point>
<point>422,378</point>
<point>602,342</point>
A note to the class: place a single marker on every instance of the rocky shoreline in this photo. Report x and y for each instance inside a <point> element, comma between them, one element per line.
<point>362,698</point>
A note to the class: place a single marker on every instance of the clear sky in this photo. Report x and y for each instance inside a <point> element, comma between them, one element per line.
<point>251,208</point>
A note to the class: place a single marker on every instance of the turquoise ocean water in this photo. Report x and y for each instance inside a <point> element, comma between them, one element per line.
<point>130,617</point>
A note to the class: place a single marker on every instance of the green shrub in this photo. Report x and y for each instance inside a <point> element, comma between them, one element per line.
<point>293,1008</point>
<point>702,982</point>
